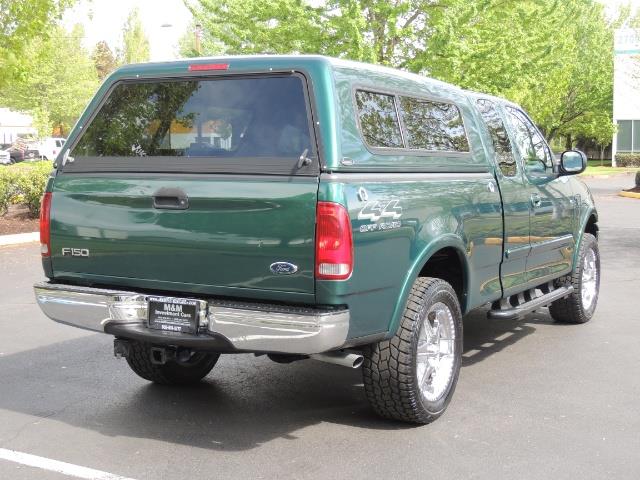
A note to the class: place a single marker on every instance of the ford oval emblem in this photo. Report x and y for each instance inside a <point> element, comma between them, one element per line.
<point>283,268</point>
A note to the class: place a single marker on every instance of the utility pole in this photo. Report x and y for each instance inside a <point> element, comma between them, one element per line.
<point>198,36</point>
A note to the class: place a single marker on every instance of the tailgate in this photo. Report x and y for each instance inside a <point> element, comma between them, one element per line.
<point>195,186</point>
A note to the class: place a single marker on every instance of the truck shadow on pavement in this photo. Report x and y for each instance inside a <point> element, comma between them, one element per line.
<point>243,403</point>
<point>484,337</point>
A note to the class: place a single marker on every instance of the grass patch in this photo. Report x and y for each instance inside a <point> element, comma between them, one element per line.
<point>597,163</point>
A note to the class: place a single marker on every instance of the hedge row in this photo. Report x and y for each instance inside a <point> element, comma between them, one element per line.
<point>628,159</point>
<point>23,184</point>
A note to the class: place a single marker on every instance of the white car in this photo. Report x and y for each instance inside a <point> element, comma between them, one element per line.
<point>5,157</point>
<point>50,147</point>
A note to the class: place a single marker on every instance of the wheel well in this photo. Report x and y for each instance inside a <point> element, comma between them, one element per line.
<point>592,226</point>
<point>447,265</point>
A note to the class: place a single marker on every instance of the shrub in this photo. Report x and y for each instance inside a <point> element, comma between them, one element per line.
<point>31,185</point>
<point>23,184</point>
<point>6,191</point>
<point>628,159</point>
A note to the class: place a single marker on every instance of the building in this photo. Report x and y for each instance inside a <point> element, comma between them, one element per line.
<point>15,124</point>
<point>626,92</point>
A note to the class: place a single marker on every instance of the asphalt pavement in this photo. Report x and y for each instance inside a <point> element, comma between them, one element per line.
<point>535,399</point>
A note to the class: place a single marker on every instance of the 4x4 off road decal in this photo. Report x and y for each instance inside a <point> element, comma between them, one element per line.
<point>376,210</point>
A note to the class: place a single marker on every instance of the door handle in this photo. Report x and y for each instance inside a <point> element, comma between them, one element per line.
<point>170,199</point>
<point>536,201</point>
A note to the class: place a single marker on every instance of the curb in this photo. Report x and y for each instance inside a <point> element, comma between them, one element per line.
<point>19,238</point>
<point>629,194</point>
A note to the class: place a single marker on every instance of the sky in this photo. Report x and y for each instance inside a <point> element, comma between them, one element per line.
<point>104,19</point>
<point>613,4</point>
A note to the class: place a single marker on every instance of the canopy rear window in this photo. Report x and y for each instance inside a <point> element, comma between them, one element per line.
<point>226,124</point>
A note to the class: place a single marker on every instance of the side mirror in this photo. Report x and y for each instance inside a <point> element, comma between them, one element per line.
<point>572,162</point>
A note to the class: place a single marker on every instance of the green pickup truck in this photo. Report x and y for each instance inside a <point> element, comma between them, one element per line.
<point>307,207</point>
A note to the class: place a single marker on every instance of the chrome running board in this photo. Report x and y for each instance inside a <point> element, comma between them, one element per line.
<point>519,305</point>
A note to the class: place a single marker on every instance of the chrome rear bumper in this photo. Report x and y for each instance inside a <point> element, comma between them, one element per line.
<point>247,326</point>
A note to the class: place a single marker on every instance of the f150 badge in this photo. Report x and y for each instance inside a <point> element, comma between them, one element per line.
<point>375,210</point>
<point>75,252</point>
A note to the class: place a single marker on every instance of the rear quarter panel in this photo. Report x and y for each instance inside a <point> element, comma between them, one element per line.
<point>437,211</point>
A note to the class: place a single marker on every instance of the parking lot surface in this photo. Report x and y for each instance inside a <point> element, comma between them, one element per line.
<point>535,399</point>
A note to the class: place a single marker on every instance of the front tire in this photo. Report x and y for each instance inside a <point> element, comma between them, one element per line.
<point>585,279</point>
<point>172,372</point>
<point>412,376</point>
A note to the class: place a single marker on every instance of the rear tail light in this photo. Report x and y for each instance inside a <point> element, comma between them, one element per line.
<point>45,221</point>
<point>334,242</point>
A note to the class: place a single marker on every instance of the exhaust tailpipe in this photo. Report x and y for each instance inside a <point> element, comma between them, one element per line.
<point>346,359</point>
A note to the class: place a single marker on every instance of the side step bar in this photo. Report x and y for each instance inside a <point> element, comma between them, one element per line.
<point>527,303</point>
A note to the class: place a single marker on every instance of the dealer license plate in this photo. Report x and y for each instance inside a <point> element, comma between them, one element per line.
<point>174,314</point>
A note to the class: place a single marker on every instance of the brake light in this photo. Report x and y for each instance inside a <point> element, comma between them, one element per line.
<point>45,220</point>
<point>200,67</point>
<point>334,242</point>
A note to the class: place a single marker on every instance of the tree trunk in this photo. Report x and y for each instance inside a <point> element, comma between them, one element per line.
<point>569,143</point>
<point>602,155</point>
<point>551,135</point>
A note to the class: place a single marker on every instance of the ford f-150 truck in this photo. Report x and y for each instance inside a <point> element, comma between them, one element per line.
<point>308,207</point>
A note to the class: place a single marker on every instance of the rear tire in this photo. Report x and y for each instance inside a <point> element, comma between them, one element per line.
<point>580,305</point>
<point>412,376</point>
<point>172,372</point>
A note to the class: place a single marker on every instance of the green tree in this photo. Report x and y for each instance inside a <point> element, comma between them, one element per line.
<point>187,44</point>
<point>255,26</point>
<point>209,45</point>
<point>104,59</point>
<point>555,58</point>
<point>20,22</point>
<point>369,30</point>
<point>135,44</point>
<point>63,75</point>
<point>601,131</point>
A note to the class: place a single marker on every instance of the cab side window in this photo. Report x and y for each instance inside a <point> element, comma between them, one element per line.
<point>499,137</point>
<point>531,144</point>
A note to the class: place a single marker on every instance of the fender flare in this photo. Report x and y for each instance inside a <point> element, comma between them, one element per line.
<point>445,241</point>
<point>591,211</point>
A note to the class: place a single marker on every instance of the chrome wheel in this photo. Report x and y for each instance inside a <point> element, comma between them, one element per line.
<point>589,280</point>
<point>435,352</point>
